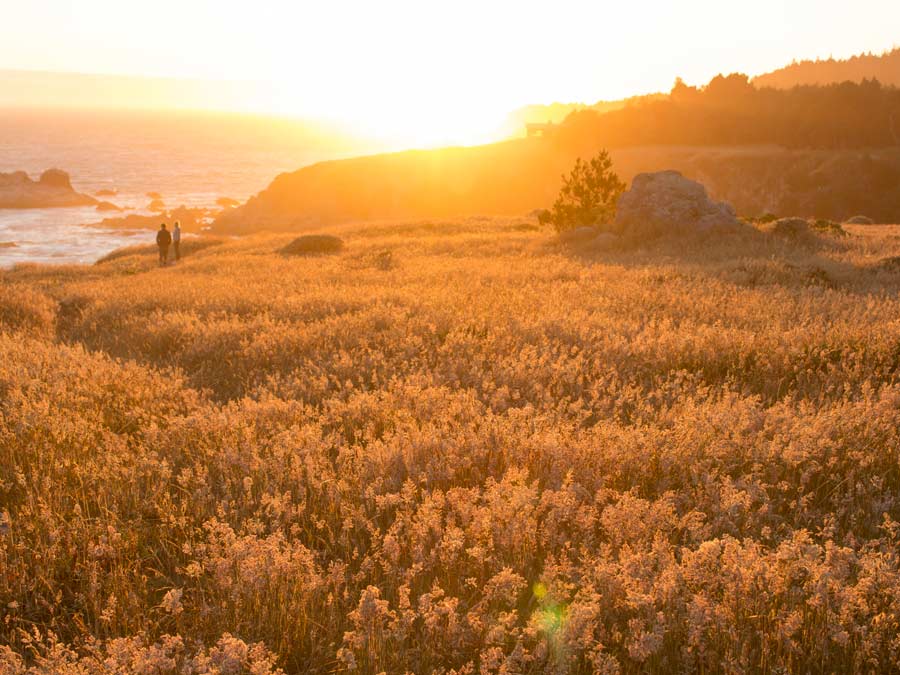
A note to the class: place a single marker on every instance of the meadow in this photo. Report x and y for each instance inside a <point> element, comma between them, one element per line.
<point>454,447</point>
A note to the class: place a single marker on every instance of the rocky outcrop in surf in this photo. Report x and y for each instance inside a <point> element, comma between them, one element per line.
<point>52,189</point>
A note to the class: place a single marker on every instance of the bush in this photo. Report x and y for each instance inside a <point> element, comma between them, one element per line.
<point>829,227</point>
<point>544,217</point>
<point>588,195</point>
<point>891,264</point>
<point>795,228</point>
<point>313,244</point>
<point>791,227</point>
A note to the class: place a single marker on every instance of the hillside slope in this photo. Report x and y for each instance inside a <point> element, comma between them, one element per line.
<point>499,178</point>
<point>516,177</point>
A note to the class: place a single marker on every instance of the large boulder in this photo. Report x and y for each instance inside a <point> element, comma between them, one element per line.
<point>666,202</point>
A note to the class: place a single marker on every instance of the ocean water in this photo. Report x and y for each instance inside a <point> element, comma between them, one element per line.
<point>55,236</point>
<point>191,159</point>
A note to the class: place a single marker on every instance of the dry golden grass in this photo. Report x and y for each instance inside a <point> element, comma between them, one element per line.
<point>454,447</point>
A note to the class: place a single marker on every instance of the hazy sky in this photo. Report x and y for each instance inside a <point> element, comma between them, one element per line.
<point>462,60</point>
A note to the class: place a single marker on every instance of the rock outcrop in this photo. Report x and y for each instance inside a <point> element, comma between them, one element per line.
<point>668,203</point>
<point>53,189</point>
<point>859,220</point>
<point>191,219</point>
<point>227,202</point>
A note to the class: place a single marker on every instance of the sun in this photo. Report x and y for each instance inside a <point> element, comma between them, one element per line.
<point>411,118</point>
<point>427,128</point>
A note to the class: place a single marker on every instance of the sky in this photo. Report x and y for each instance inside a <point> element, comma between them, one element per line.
<point>436,66</point>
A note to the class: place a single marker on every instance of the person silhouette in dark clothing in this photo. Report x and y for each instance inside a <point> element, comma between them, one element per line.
<point>163,239</point>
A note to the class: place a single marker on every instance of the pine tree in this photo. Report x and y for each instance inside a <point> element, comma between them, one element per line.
<point>588,195</point>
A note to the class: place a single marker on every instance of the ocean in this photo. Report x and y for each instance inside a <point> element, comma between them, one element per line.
<point>190,158</point>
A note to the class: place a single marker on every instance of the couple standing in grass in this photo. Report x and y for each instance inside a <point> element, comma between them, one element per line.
<point>164,239</point>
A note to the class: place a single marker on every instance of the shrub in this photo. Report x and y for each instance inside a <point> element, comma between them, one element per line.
<point>891,264</point>
<point>798,228</point>
<point>829,227</point>
<point>791,227</point>
<point>588,195</point>
<point>544,217</point>
<point>313,244</point>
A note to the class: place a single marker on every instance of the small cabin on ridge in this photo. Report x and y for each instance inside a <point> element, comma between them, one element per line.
<point>539,129</point>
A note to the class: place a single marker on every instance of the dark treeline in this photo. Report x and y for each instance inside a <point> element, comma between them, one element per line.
<point>882,67</point>
<point>730,110</point>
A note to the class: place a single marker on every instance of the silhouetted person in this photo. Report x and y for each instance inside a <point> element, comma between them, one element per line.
<point>176,240</point>
<point>163,239</point>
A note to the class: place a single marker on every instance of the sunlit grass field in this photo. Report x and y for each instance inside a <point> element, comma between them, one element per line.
<point>454,447</point>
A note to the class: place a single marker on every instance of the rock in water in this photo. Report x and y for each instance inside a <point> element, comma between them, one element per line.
<point>668,203</point>
<point>227,202</point>
<point>56,178</point>
<point>53,189</point>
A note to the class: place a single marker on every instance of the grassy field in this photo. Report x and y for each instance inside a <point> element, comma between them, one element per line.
<point>454,447</point>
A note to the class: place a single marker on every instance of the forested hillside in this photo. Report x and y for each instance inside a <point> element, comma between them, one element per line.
<point>882,67</point>
<point>733,111</point>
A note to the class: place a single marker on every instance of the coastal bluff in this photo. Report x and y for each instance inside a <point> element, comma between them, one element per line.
<point>52,189</point>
